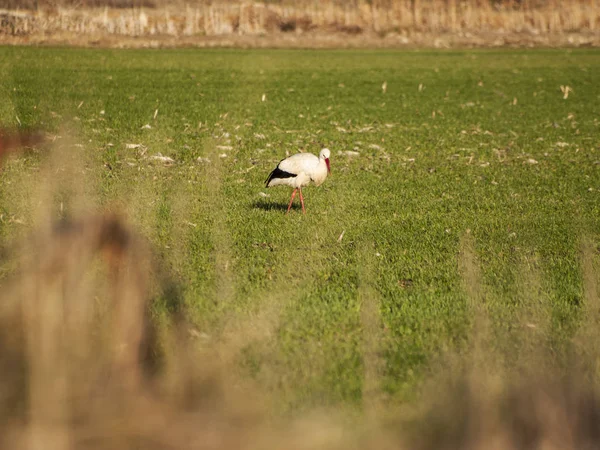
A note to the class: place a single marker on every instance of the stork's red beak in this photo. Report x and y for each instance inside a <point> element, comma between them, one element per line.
<point>327,162</point>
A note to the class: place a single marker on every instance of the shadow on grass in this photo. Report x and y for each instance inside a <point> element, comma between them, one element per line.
<point>273,206</point>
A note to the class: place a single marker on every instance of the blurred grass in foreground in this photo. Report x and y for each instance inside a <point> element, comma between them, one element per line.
<point>466,192</point>
<point>85,367</point>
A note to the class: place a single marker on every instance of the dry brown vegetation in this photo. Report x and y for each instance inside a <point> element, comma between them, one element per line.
<point>11,140</point>
<point>402,22</point>
<point>85,367</point>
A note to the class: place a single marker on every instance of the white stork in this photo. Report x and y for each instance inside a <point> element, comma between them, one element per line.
<point>298,171</point>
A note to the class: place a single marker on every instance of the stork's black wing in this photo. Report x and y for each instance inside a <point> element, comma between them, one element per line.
<point>278,173</point>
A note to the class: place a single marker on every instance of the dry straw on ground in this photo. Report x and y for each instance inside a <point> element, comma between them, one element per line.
<point>400,22</point>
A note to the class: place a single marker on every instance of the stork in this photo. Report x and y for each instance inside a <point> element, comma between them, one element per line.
<point>298,171</point>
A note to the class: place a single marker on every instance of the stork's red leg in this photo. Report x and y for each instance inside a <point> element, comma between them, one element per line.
<point>302,201</point>
<point>291,200</point>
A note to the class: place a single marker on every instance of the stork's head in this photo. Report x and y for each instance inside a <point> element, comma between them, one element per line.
<point>324,155</point>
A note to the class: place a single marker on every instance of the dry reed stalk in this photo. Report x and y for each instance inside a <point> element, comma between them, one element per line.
<point>452,9</point>
<point>585,339</point>
<point>372,335</point>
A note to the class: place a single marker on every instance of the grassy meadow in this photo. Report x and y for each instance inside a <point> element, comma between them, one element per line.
<point>463,183</point>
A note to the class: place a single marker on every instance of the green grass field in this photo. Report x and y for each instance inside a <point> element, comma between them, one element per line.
<point>475,184</point>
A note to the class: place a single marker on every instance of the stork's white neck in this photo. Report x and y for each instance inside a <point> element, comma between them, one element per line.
<point>320,174</point>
